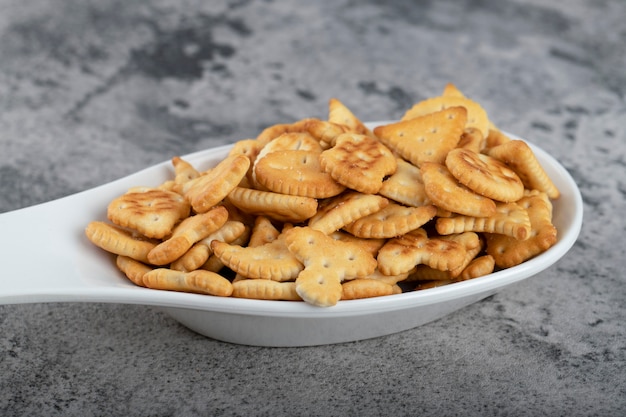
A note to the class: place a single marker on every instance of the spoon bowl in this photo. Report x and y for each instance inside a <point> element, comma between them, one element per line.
<point>47,258</point>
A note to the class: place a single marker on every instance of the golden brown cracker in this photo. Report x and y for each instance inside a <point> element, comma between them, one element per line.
<point>262,289</point>
<point>405,186</point>
<point>200,281</point>
<point>521,159</point>
<point>508,251</point>
<point>296,172</point>
<point>134,270</point>
<point>281,207</point>
<point>358,162</point>
<point>391,221</point>
<point>185,234</point>
<point>327,262</point>
<point>365,288</point>
<point>476,114</point>
<point>119,241</point>
<point>510,219</point>
<point>427,138</point>
<point>401,254</point>
<point>151,212</point>
<point>334,213</point>
<point>208,190</point>
<point>485,175</point>
<point>269,261</point>
<point>339,113</point>
<point>447,193</point>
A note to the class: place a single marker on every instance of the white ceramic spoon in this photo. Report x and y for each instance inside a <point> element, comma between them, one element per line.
<point>46,257</point>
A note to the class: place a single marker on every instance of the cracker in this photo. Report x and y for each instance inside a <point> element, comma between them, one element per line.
<point>451,90</point>
<point>472,139</point>
<point>118,241</point>
<point>296,172</point>
<point>340,114</point>
<point>358,162</point>
<point>208,190</point>
<point>134,270</point>
<point>324,131</point>
<point>281,207</point>
<point>427,138</point>
<point>262,289</point>
<point>151,212</point>
<point>521,159</point>
<point>263,231</point>
<point>370,245</point>
<point>198,254</point>
<point>365,288</point>
<point>478,267</point>
<point>391,221</point>
<point>183,171</point>
<point>447,193</point>
<point>510,219</point>
<point>185,234</point>
<point>476,115</point>
<point>337,212</point>
<point>508,251</point>
<point>272,132</point>
<point>401,254</point>
<point>405,186</point>
<point>271,261</point>
<point>200,281</point>
<point>327,262</point>
<point>495,137</point>
<point>485,175</point>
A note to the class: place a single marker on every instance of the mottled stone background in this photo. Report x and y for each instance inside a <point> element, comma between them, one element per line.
<point>92,90</point>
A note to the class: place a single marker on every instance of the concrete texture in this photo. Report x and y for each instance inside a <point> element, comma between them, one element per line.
<point>93,90</point>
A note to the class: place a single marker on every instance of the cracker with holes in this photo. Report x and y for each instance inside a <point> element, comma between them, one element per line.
<point>447,193</point>
<point>521,159</point>
<point>288,141</point>
<point>485,175</point>
<point>296,172</point>
<point>358,162</point>
<point>427,138</point>
<point>327,262</point>
<point>151,212</point>
<point>508,251</point>
<point>337,212</point>
<point>391,221</point>
<point>401,254</point>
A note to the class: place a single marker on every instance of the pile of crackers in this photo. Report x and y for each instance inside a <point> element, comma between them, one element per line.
<point>328,210</point>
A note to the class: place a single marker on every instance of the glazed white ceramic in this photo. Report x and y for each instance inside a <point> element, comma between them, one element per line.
<point>46,257</point>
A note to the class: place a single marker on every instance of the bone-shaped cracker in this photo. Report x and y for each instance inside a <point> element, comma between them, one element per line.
<point>327,262</point>
<point>401,254</point>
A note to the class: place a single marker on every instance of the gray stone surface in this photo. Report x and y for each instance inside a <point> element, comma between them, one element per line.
<point>93,90</point>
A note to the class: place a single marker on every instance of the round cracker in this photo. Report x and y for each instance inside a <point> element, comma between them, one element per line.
<point>485,175</point>
<point>447,193</point>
